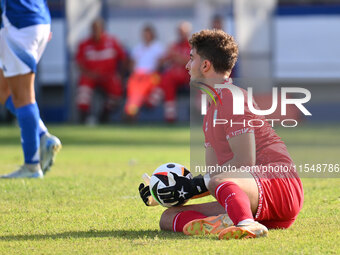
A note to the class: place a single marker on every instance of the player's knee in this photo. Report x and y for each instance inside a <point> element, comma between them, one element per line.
<point>214,182</point>
<point>84,96</point>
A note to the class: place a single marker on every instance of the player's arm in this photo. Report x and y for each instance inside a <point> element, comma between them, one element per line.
<point>244,150</point>
<point>210,160</point>
<point>210,157</point>
<point>194,188</point>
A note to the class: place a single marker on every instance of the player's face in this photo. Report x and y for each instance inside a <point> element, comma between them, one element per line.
<point>97,29</point>
<point>148,36</point>
<point>183,31</point>
<point>194,66</point>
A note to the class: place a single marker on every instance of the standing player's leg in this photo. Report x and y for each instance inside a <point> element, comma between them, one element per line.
<point>21,50</point>
<point>22,90</point>
<point>5,94</point>
<point>49,144</point>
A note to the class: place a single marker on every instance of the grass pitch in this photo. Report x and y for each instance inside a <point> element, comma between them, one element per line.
<point>89,203</point>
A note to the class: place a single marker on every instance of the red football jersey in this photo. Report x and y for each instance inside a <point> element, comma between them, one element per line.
<point>102,56</point>
<point>269,146</point>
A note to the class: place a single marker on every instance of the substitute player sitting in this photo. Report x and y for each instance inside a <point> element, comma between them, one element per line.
<point>248,202</point>
<point>98,58</point>
<point>144,78</point>
<point>175,75</point>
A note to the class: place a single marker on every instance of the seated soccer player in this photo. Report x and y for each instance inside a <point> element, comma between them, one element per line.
<point>144,78</point>
<point>175,75</point>
<point>98,57</point>
<point>23,39</point>
<point>248,202</point>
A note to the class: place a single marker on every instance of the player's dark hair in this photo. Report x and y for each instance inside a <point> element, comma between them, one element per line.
<point>151,29</point>
<point>216,46</point>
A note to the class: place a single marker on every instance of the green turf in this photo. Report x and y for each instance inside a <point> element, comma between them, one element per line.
<point>89,204</point>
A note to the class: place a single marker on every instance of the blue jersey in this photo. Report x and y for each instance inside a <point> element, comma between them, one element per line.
<point>24,13</point>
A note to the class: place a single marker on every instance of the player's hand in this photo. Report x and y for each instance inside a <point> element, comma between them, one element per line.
<point>180,192</point>
<point>144,193</point>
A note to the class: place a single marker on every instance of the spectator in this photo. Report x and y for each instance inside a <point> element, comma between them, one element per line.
<point>144,78</point>
<point>98,58</point>
<point>175,75</point>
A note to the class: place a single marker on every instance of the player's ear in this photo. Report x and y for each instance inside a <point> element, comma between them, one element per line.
<point>205,66</point>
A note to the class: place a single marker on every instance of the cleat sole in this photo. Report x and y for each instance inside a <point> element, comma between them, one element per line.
<point>235,233</point>
<point>240,233</point>
<point>210,225</point>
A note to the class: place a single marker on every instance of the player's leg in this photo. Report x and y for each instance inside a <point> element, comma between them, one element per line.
<point>6,99</point>
<point>5,93</point>
<point>138,88</point>
<point>84,97</point>
<point>173,79</point>
<point>21,51</point>
<point>133,97</point>
<point>49,144</point>
<point>155,97</point>
<point>175,218</point>
<point>238,193</point>
<point>113,89</point>
<point>282,204</point>
<point>169,85</point>
<point>22,90</point>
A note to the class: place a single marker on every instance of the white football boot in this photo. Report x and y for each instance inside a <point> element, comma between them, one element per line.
<point>49,147</point>
<point>24,172</point>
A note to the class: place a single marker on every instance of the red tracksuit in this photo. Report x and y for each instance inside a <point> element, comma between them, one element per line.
<point>102,58</point>
<point>174,77</point>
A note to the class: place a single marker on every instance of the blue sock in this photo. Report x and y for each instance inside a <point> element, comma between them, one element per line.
<point>28,118</point>
<point>10,106</point>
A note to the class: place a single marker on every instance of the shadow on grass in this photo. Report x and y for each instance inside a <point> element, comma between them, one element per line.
<point>123,234</point>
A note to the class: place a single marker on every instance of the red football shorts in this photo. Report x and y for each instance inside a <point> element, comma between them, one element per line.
<point>280,196</point>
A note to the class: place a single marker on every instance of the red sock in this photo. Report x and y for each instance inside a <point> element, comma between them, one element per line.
<point>234,200</point>
<point>183,218</point>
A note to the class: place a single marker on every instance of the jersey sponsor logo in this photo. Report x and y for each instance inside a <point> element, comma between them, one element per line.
<point>95,55</point>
